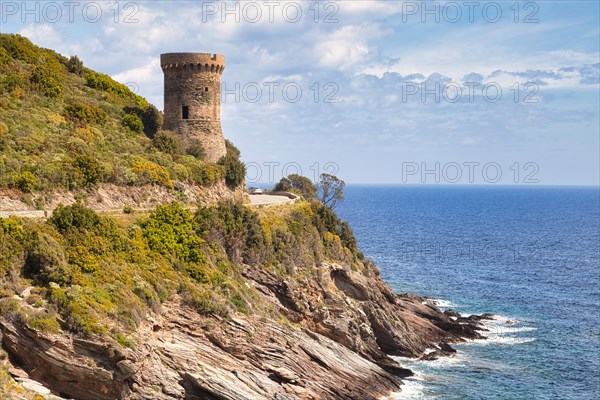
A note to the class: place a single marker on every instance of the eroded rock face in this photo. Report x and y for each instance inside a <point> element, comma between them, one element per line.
<point>344,325</point>
<point>363,314</point>
<point>68,365</point>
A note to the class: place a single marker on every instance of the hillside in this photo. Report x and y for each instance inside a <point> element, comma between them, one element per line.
<point>226,302</point>
<point>66,128</point>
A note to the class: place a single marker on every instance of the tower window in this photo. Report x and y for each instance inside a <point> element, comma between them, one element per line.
<point>206,89</point>
<point>185,112</point>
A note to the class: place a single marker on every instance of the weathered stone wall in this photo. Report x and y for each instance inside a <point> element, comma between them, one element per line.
<point>193,80</point>
<point>208,132</point>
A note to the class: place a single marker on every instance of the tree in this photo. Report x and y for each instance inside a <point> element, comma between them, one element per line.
<point>330,190</point>
<point>152,120</point>
<point>235,170</point>
<point>150,117</point>
<point>75,65</point>
<point>231,149</point>
<point>298,184</point>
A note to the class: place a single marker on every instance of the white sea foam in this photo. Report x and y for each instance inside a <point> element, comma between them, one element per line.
<point>445,362</point>
<point>442,362</point>
<point>440,303</point>
<point>504,340</point>
<point>412,389</point>
<point>504,330</point>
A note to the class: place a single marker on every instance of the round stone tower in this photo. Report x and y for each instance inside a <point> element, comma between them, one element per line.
<point>193,99</point>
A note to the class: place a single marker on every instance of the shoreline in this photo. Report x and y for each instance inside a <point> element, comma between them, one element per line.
<point>495,329</point>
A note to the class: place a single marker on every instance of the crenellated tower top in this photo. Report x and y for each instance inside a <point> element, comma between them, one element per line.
<point>202,62</point>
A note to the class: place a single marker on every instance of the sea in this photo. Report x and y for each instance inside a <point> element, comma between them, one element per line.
<point>528,254</point>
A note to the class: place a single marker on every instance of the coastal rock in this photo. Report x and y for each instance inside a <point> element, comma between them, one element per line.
<point>451,313</point>
<point>344,325</point>
<point>61,362</point>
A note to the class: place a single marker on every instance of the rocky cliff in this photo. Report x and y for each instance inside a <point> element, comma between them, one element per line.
<point>333,344</point>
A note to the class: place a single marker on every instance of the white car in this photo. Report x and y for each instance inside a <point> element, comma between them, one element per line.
<point>255,190</point>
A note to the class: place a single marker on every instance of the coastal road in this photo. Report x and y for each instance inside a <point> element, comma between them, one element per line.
<point>268,200</point>
<point>256,200</point>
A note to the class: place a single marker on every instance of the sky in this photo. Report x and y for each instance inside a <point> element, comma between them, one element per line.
<point>448,92</point>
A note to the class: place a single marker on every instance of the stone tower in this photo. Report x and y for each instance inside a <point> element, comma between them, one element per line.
<point>193,99</point>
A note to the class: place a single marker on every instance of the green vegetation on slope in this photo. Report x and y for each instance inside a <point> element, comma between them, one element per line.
<point>93,275</point>
<point>64,126</point>
<point>329,190</point>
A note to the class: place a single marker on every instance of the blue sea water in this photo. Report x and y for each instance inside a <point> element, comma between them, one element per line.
<point>530,254</point>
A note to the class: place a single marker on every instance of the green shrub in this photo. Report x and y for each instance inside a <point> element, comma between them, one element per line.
<point>206,302</point>
<point>74,217</point>
<point>235,170</point>
<point>25,182</point>
<point>9,307</point>
<point>78,316</point>
<point>12,226</point>
<point>105,83</point>
<point>87,169</point>
<point>123,340</point>
<point>10,81</point>
<point>80,257</point>
<point>43,322</point>
<point>348,239</point>
<point>231,149</point>
<point>170,231</point>
<point>151,118</point>
<point>240,303</point>
<point>48,78</point>
<point>133,122</point>
<point>326,221</point>
<point>196,149</point>
<point>45,259</point>
<point>149,172</point>
<point>3,137</point>
<point>168,142</point>
<point>233,226</point>
<point>82,114</point>
<point>20,47</point>
<point>5,58</point>
<point>211,174</point>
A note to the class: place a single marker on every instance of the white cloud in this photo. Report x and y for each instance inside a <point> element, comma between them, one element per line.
<point>149,72</point>
<point>368,8</point>
<point>348,46</point>
<point>43,35</point>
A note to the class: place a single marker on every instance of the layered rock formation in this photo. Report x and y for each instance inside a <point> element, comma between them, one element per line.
<point>333,344</point>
